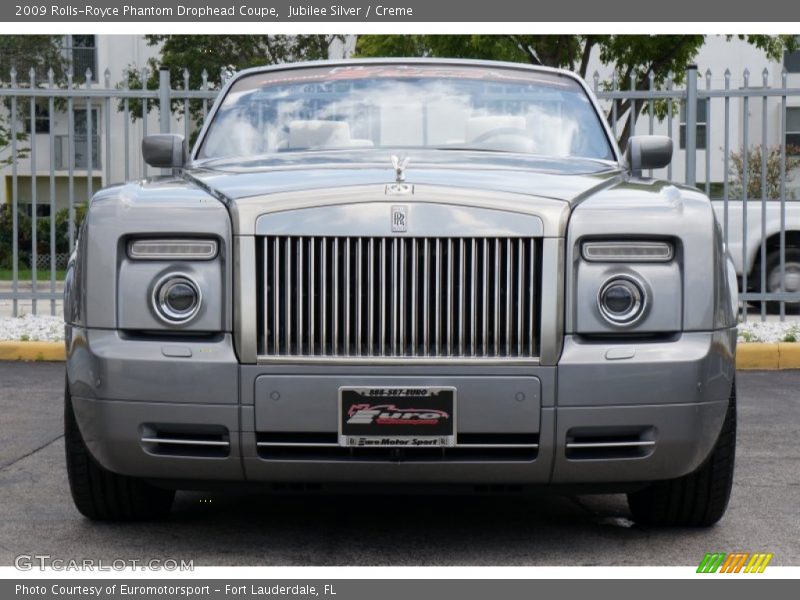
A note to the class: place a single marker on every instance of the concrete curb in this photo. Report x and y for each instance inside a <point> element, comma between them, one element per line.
<point>34,351</point>
<point>749,356</point>
<point>768,357</point>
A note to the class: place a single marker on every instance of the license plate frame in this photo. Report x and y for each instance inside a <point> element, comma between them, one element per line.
<point>402,411</point>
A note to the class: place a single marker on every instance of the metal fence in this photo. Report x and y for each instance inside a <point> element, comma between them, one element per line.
<point>712,122</point>
<point>742,157</point>
<point>72,163</point>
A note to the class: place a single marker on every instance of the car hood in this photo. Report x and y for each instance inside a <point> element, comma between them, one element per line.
<point>562,179</point>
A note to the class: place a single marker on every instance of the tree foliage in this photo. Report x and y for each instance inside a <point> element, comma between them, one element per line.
<point>21,53</point>
<point>635,58</point>
<point>218,56</point>
<point>753,159</point>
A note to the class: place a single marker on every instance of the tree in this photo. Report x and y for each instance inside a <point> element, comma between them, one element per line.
<point>21,53</point>
<point>773,172</point>
<point>218,56</point>
<point>634,58</point>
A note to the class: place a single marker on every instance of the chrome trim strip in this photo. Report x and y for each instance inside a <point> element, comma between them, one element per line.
<point>299,444</point>
<point>426,317</point>
<point>520,292</point>
<point>347,295</point>
<point>438,297</point>
<point>551,315</point>
<point>300,266</point>
<point>371,284</point>
<point>395,300</point>
<point>533,311</point>
<point>409,360</point>
<point>383,296</point>
<point>244,288</point>
<point>312,338</point>
<point>497,297</point>
<point>473,297</point>
<point>180,442</point>
<point>359,303</point>
<point>276,259</point>
<point>462,280</point>
<point>532,446</point>
<point>402,291</point>
<point>335,297</point>
<point>414,293</point>
<point>450,283</point>
<point>509,292</point>
<point>610,444</point>
<point>485,307</point>
<point>324,312</point>
<point>335,445</point>
<point>287,310</point>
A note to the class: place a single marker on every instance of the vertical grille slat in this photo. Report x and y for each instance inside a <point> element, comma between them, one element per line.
<point>360,297</point>
<point>312,273</point>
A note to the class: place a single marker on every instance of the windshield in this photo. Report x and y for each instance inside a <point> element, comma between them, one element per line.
<point>406,106</point>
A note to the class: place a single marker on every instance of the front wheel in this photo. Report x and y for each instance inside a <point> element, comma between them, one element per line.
<point>790,277</point>
<point>698,499</point>
<point>100,494</point>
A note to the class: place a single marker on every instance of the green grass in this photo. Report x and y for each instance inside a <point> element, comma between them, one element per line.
<point>26,275</point>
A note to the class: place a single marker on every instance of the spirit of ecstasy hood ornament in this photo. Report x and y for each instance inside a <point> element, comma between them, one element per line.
<point>400,164</point>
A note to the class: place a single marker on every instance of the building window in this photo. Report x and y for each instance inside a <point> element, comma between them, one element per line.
<point>81,144</point>
<point>791,60</point>
<point>702,119</point>
<point>42,117</point>
<point>793,130</point>
<point>81,53</point>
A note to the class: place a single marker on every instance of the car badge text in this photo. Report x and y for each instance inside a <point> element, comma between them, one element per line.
<point>399,219</point>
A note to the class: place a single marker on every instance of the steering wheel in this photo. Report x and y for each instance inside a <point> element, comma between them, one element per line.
<point>498,131</point>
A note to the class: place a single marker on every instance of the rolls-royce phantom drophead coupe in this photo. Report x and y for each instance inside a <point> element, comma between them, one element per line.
<point>408,273</point>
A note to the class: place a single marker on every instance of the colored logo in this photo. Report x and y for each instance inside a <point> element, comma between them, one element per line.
<point>737,562</point>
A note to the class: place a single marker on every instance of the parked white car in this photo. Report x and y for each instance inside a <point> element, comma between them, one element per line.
<point>752,263</point>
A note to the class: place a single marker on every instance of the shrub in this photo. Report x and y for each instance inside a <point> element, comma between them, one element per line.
<point>42,234</point>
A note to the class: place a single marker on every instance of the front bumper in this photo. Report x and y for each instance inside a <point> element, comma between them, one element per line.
<point>608,413</point>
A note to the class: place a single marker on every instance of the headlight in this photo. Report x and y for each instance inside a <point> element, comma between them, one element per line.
<point>178,249</point>
<point>627,251</point>
<point>176,298</point>
<point>621,300</point>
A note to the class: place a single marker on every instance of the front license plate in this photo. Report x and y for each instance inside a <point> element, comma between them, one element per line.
<point>404,417</point>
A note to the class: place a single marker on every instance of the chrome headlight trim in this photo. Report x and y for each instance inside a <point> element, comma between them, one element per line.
<point>159,299</point>
<point>173,249</point>
<point>640,301</point>
<point>627,251</point>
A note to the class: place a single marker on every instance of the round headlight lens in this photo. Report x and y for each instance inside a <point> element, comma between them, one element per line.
<point>177,299</point>
<point>621,300</point>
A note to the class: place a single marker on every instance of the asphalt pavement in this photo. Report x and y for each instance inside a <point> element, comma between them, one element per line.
<point>37,515</point>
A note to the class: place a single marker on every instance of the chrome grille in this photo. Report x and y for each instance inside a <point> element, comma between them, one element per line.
<point>398,297</point>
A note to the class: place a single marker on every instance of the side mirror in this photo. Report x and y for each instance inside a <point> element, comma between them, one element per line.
<point>164,150</point>
<point>648,152</point>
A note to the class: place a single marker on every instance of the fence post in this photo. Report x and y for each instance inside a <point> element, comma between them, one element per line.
<point>163,99</point>
<point>691,125</point>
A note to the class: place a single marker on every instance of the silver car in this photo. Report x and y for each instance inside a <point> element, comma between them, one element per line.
<point>391,273</point>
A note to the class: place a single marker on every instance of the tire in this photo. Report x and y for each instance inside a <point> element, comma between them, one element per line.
<point>100,494</point>
<point>698,499</point>
<point>773,278</point>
